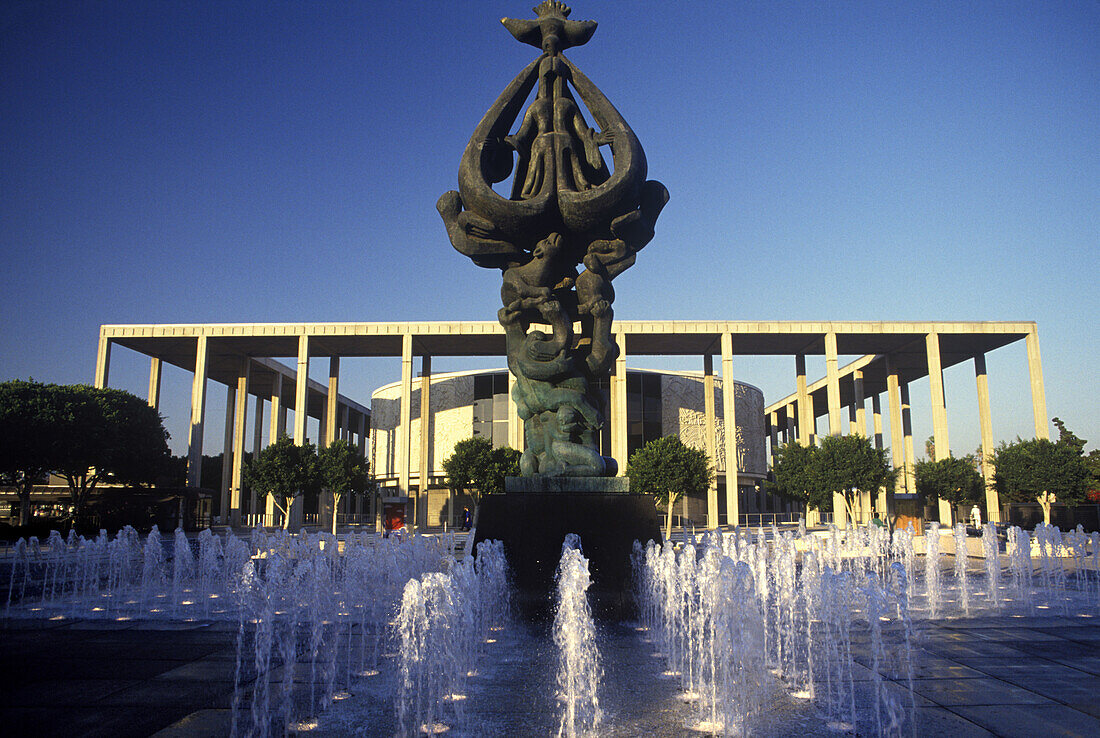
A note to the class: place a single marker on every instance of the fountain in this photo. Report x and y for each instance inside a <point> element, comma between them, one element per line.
<point>744,631</point>
<point>574,634</point>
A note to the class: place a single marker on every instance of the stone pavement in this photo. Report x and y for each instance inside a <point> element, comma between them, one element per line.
<point>1003,676</point>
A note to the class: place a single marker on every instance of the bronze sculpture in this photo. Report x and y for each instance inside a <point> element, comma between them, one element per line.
<point>567,208</point>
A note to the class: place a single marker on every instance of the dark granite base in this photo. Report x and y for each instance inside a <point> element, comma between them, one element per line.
<point>533,526</point>
<point>566,485</point>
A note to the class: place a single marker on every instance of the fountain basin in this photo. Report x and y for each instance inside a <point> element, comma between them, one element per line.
<point>532,526</point>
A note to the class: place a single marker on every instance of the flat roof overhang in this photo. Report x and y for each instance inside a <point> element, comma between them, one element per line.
<point>873,341</point>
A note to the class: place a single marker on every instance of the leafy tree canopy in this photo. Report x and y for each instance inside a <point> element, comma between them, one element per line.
<point>476,468</point>
<point>849,463</point>
<point>951,479</point>
<point>85,434</point>
<point>26,419</point>
<point>1025,470</point>
<point>795,470</point>
<point>343,469</point>
<point>668,469</point>
<point>284,470</point>
<point>840,464</point>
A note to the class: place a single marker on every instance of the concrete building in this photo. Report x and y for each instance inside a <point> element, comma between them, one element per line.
<point>478,403</point>
<point>892,355</point>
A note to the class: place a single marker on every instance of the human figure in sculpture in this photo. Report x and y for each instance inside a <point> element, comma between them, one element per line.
<point>557,148</point>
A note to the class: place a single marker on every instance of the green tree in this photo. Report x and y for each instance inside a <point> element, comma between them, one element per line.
<point>1091,460</point>
<point>951,479</point>
<point>104,435</point>
<point>343,470</point>
<point>850,464</point>
<point>476,468</point>
<point>1042,470</point>
<point>26,440</point>
<point>796,475</point>
<point>285,471</point>
<point>668,469</point>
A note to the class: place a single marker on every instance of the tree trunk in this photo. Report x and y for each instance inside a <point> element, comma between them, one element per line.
<point>335,508</point>
<point>849,511</point>
<point>1046,499</point>
<point>284,510</point>
<point>668,520</point>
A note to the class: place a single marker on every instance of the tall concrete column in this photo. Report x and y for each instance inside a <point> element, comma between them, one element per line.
<point>773,433</point>
<point>886,495</point>
<point>897,437</point>
<point>805,415</point>
<point>939,413</point>
<point>876,419</point>
<point>102,362</point>
<point>257,446</point>
<point>992,499</point>
<point>240,422</point>
<point>907,430</point>
<point>404,433</point>
<point>858,402</point>
<point>1038,392</point>
<point>791,433</point>
<point>711,422</point>
<point>227,451</point>
<point>278,410</point>
<point>421,504</point>
<point>618,407</point>
<point>332,403</point>
<point>515,422</point>
<point>362,434</point>
<point>301,417</point>
<point>327,432</point>
<point>811,417</point>
<point>154,383</point>
<point>729,420</point>
<point>301,391</point>
<point>277,431</point>
<point>345,426</point>
<point>198,412</point>
<point>832,383</point>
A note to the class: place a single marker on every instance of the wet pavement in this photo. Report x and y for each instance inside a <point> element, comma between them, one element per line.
<point>990,675</point>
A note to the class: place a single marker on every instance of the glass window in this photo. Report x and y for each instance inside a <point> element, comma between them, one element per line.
<point>500,383</point>
<point>483,386</point>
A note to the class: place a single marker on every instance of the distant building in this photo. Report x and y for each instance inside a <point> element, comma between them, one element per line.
<point>476,403</point>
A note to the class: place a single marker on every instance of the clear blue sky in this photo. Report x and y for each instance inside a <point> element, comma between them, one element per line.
<point>176,162</point>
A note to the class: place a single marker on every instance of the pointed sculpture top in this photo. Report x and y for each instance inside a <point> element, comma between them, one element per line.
<point>551,32</point>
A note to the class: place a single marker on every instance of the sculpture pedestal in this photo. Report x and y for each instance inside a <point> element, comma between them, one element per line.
<point>533,525</point>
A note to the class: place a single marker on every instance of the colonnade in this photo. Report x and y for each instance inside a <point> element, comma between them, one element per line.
<point>883,346</point>
<point>340,418</point>
<point>795,417</point>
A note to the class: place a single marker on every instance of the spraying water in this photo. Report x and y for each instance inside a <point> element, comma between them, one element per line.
<point>574,633</point>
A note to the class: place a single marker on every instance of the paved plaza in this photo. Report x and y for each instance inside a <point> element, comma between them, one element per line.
<point>1004,676</point>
